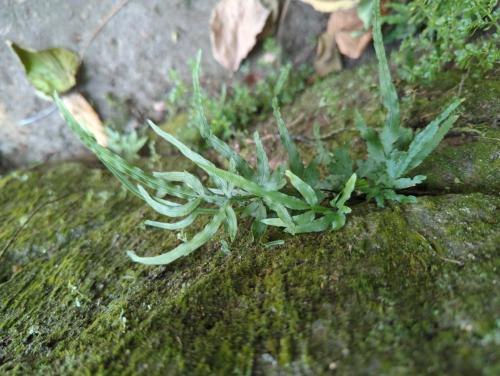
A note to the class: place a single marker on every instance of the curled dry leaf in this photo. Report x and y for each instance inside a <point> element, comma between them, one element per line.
<point>329,6</point>
<point>83,112</point>
<point>234,27</point>
<point>349,32</point>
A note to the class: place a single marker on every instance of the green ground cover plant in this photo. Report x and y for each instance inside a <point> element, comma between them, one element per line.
<point>234,107</point>
<point>127,145</point>
<point>295,197</point>
<point>438,34</point>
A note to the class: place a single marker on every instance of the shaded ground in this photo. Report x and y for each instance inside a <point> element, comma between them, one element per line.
<point>409,289</point>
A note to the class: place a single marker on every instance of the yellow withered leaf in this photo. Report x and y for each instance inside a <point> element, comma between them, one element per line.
<point>83,112</point>
<point>329,6</point>
<point>51,70</point>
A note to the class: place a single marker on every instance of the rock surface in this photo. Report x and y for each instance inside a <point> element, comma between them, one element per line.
<point>129,58</point>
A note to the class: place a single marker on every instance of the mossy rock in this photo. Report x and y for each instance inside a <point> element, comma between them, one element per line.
<point>409,289</point>
<point>469,162</point>
<point>403,290</point>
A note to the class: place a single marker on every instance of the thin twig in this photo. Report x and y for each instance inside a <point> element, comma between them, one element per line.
<point>42,114</point>
<point>32,214</point>
<point>332,133</point>
<point>103,23</point>
<point>462,81</point>
<point>452,261</point>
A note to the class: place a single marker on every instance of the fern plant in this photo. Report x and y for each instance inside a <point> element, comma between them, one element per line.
<point>239,190</point>
<point>393,150</point>
<point>127,145</point>
<point>292,196</point>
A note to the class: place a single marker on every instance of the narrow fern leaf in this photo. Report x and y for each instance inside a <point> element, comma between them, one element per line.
<point>298,219</point>
<point>278,180</point>
<point>345,195</point>
<point>174,225</point>
<point>239,181</point>
<point>165,208</point>
<point>282,78</point>
<point>276,222</point>
<point>251,187</point>
<point>389,96</point>
<point>304,218</point>
<point>273,244</point>
<point>232,222</point>
<point>303,188</point>
<point>184,177</point>
<point>186,248</point>
<point>372,138</point>
<point>193,156</point>
<point>263,170</point>
<point>259,228</point>
<point>125,181</point>
<point>201,119</point>
<point>122,169</point>
<point>250,209</point>
<point>294,160</point>
<point>404,183</point>
<point>282,213</point>
<point>205,130</point>
<point>319,225</point>
<point>430,137</point>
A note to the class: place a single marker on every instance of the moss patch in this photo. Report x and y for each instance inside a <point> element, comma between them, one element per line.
<point>407,289</point>
<point>467,163</point>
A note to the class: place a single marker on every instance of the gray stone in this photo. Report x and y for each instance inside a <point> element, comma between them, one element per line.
<point>129,57</point>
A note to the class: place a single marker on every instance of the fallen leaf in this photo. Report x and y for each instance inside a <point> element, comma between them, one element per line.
<point>85,115</point>
<point>365,12</point>
<point>234,26</point>
<point>350,35</point>
<point>51,70</point>
<point>327,55</point>
<point>329,6</point>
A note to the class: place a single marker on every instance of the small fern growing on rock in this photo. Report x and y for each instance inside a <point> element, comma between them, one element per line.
<point>257,192</point>
<point>394,150</point>
<point>241,190</point>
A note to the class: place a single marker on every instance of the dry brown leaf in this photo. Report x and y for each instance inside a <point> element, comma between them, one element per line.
<point>329,6</point>
<point>349,32</point>
<point>234,26</point>
<point>85,115</point>
<point>327,55</point>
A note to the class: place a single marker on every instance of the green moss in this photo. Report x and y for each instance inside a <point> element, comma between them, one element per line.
<point>407,289</point>
<point>481,105</point>
<point>466,163</point>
